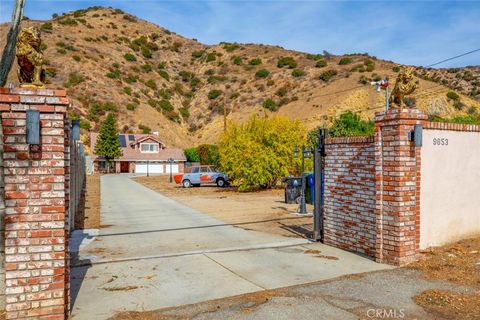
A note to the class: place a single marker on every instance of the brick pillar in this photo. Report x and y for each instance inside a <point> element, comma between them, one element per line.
<point>398,186</point>
<point>36,253</point>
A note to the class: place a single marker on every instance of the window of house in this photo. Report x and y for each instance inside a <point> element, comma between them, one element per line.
<point>149,147</point>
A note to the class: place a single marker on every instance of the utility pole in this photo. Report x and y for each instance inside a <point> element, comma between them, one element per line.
<point>8,55</point>
<point>224,114</point>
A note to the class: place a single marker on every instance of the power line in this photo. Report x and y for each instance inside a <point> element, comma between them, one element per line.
<point>434,89</point>
<point>345,90</point>
<point>422,93</point>
<point>452,58</point>
<point>427,94</point>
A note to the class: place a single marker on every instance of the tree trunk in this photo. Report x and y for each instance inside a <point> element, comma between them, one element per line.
<point>8,55</point>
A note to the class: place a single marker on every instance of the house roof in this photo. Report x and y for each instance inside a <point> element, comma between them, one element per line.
<point>146,137</point>
<point>130,154</point>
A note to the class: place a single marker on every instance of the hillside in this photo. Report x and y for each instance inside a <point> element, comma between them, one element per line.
<point>154,79</point>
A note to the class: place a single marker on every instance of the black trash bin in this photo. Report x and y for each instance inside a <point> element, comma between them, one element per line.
<point>293,187</point>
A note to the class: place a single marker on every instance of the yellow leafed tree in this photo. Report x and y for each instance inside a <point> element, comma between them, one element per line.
<point>258,153</point>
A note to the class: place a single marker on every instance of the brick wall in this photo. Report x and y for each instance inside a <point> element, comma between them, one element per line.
<point>349,214</point>
<point>398,186</point>
<point>36,199</point>
<point>372,190</point>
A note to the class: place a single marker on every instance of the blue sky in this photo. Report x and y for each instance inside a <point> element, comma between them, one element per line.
<point>408,32</point>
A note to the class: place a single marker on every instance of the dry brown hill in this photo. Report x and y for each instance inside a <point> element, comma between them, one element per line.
<point>154,79</point>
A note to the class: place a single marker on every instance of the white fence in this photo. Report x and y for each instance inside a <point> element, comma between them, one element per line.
<point>450,186</point>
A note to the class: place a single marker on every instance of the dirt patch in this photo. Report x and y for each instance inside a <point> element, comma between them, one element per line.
<point>311,251</point>
<point>458,262</point>
<point>326,257</point>
<point>246,303</point>
<point>263,211</point>
<point>126,288</point>
<point>96,251</point>
<point>450,305</point>
<point>89,216</point>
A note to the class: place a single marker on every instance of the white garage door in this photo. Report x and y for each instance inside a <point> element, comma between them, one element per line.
<point>151,167</point>
<point>174,168</point>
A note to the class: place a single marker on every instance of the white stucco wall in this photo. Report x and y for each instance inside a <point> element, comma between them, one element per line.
<point>450,186</point>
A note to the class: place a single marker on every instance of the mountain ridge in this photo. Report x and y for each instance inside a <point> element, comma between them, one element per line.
<point>152,78</point>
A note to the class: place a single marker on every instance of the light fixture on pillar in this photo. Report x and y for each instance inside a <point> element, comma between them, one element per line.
<point>33,127</point>
<point>76,130</point>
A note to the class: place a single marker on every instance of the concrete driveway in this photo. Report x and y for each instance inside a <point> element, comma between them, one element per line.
<point>153,252</point>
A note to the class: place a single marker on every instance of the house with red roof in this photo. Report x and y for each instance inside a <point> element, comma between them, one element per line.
<point>142,154</point>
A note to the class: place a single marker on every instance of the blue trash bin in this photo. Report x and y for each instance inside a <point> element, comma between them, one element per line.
<point>311,187</point>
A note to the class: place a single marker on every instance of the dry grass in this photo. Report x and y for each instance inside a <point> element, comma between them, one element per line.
<point>458,262</point>
<point>450,305</point>
<point>260,211</point>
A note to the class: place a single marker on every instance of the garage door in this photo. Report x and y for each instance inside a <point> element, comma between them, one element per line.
<point>143,167</point>
<point>174,168</point>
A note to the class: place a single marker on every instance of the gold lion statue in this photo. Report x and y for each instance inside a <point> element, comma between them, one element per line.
<point>30,58</point>
<point>404,86</point>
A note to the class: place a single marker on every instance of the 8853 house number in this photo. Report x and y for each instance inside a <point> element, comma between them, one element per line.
<point>440,141</point>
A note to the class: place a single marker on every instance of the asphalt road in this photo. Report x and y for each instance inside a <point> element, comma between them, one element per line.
<point>153,252</point>
<point>386,294</point>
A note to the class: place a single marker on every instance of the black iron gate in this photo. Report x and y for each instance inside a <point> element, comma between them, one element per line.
<point>319,158</point>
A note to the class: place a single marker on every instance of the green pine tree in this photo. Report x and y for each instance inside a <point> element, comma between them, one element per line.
<point>108,142</point>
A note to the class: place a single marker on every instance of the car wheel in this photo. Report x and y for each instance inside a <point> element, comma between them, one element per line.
<point>186,183</point>
<point>221,182</point>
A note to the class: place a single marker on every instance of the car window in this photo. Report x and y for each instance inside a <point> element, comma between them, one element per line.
<point>194,170</point>
<point>204,169</point>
